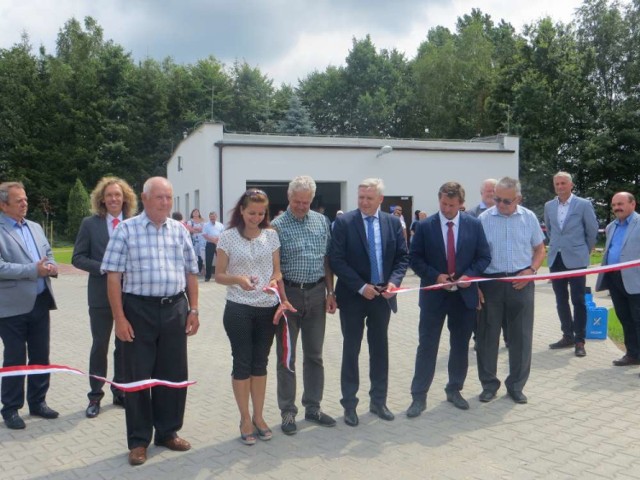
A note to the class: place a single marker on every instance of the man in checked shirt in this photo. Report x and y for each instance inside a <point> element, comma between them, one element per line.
<point>153,316</point>
<point>304,238</point>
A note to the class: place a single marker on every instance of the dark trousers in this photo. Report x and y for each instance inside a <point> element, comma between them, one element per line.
<point>354,315</point>
<point>159,350</point>
<point>460,322</point>
<point>309,322</point>
<point>209,252</point>
<point>250,330</point>
<point>101,320</point>
<point>500,300</point>
<point>573,328</point>
<point>627,309</point>
<point>26,336</point>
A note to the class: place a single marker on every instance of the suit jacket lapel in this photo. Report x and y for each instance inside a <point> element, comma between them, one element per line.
<point>13,234</point>
<point>633,224</point>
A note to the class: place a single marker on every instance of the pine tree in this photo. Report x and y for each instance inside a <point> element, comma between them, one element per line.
<point>78,207</point>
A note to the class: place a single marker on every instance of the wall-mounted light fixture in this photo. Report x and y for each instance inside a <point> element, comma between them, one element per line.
<point>384,150</point>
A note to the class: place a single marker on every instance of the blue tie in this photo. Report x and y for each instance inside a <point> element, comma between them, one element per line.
<point>373,258</point>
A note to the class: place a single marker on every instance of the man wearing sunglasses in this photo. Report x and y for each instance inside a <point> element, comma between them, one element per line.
<point>517,248</point>
<point>572,227</point>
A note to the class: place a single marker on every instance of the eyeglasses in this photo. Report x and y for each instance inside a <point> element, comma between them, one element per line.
<point>506,201</point>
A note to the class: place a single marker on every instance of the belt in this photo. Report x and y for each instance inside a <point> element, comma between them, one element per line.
<point>302,286</point>
<point>504,274</point>
<point>170,300</point>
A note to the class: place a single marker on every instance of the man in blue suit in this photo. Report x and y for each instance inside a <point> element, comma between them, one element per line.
<point>26,265</point>
<point>623,245</point>
<point>572,227</point>
<point>447,247</point>
<point>369,255</point>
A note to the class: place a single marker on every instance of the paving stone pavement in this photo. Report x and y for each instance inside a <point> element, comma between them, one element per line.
<point>582,419</point>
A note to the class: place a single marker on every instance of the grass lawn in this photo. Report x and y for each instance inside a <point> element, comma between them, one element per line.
<point>63,254</point>
<point>615,329</point>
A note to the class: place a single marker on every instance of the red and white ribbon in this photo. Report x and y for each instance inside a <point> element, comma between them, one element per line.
<point>18,370</point>
<point>286,336</point>
<point>520,278</point>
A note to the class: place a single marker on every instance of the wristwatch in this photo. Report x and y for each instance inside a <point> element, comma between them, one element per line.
<point>194,311</point>
<point>332,294</point>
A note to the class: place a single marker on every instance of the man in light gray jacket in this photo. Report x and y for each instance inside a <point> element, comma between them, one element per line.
<point>572,228</point>
<point>623,245</point>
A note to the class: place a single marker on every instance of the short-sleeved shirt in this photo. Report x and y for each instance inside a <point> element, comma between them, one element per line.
<point>511,238</point>
<point>155,261</point>
<point>304,245</point>
<point>251,257</point>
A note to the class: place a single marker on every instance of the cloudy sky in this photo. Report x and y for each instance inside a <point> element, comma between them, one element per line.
<point>286,39</point>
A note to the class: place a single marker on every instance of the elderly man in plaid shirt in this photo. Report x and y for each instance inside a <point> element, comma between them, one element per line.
<point>304,238</point>
<point>155,309</point>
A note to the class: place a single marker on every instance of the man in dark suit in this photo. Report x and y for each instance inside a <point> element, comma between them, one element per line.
<point>112,201</point>
<point>572,228</point>
<point>369,255</point>
<point>26,265</point>
<point>447,247</point>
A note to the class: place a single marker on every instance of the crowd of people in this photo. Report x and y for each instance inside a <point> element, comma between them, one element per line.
<point>279,279</point>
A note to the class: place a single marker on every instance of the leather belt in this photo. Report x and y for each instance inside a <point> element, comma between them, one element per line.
<point>504,274</point>
<point>302,286</point>
<point>169,300</point>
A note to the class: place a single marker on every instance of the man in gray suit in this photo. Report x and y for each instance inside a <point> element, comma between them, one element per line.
<point>26,263</point>
<point>572,228</point>
<point>623,245</point>
<point>112,201</point>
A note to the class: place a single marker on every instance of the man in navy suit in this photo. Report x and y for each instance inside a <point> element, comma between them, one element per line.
<point>112,201</point>
<point>369,255</point>
<point>572,227</point>
<point>623,245</point>
<point>448,247</point>
<point>26,265</point>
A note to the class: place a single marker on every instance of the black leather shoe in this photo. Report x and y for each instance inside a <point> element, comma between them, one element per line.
<point>580,351</point>
<point>626,361</point>
<point>564,342</point>
<point>487,396</point>
<point>458,401</point>
<point>118,400</point>
<point>351,417</point>
<point>13,421</point>
<point>416,408</point>
<point>518,397</point>
<point>93,410</point>
<point>382,411</point>
<point>43,410</point>
<point>320,418</point>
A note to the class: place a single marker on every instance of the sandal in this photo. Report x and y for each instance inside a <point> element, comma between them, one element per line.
<point>248,438</point>
<point>263,434</point>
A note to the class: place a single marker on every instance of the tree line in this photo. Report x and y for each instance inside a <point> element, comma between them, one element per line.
<point>570,91</point>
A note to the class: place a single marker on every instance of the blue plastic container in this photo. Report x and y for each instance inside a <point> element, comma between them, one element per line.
<point>597,323</point>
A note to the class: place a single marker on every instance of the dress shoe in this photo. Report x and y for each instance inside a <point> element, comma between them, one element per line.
<point>518,397</point>
<point>288,425</point>
<point>416,408</point>
<point>93,410</point>
<point>580,351</point>
<point>137,456</point>
<point>118,400</point>
<point>320,418</point>
<point>176,444</point>
<point>351,417</point>
<point>487,395</point>
<point>458,401</point>
<point>626,361</point>
<point>564,342</point>
<point>382,411</point>
<point>43,410</point>
<point>13,421</point>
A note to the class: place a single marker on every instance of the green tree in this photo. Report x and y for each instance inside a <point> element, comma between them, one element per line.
<point>296,120</point>
<point>78,207</point>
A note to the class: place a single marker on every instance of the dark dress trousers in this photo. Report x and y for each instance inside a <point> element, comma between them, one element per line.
<point>88,251</point>
<point>349,260</point>
<point>428,260</point>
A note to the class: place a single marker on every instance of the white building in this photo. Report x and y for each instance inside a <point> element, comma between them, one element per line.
<point>211,169</point>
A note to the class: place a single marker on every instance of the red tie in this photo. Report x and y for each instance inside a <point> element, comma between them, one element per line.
<point>451,250</point>
<point>115,222</point>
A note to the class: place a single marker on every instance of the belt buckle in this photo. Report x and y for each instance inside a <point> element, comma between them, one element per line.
<point>166,301</point>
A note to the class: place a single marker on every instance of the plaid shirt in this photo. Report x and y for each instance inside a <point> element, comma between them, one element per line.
<point>155,261</point>
<point>511,238</point>
<point>303,245</point>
